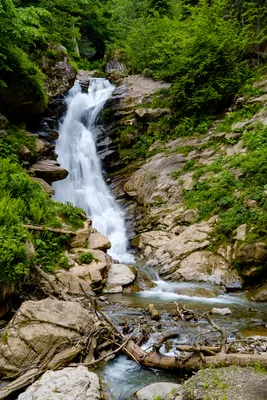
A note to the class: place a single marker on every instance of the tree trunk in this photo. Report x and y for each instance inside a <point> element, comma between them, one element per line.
<point>157,360</point>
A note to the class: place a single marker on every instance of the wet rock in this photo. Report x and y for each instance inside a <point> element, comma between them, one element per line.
<point>158,389</point>
<point>98,241</point>
<point>5,307</point>
<point>45,186</point>
<point>39,328</point>
<point>121,274</point>
<point>48,170</point>
<point>221,311</point>
<point>67,383</point>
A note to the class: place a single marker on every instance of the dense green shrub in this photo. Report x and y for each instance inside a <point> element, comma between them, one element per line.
<point>86,258</point>
<point>228,197</point>
<point>73,215</point>
<point>22,201</point>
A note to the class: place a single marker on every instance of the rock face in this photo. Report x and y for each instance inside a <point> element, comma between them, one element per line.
<point>68,384</point>
<point>60,74</point>
<point>168,232</point>
<point>39,326</point>
<point>156,390</point>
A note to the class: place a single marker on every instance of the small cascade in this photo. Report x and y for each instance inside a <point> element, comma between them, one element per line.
<point>85,187</point>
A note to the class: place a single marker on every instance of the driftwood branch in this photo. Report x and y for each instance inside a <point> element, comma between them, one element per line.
<point>51,280</point>
<point>44,228</point>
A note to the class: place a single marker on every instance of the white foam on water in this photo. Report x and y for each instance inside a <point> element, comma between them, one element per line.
<point>76,148</point>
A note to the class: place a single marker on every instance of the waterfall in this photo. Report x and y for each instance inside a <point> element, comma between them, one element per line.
<point>85,187</point>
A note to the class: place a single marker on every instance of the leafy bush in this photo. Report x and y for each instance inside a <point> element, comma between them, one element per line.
<point>75,216</point>
<point>22,201</point>
<point>86,258</point>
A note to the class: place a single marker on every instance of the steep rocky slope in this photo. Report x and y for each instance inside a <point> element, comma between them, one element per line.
<point>198,204</point>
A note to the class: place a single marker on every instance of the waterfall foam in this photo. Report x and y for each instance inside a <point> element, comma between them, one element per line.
<point>76,149</point>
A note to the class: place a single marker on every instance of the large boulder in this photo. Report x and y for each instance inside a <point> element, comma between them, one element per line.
<point>68,384</point>
<point>158,390</point>
<point>97,241</point>
<point>121,274</point>
<point>49,170</point>
<point>40,329</point>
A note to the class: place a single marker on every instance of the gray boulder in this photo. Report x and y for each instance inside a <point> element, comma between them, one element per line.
<point>66,384</point>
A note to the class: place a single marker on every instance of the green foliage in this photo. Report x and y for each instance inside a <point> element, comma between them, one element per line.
<point>11,144</point>
<point>221,193</point>
<point>23,201</point>
<point>244,113</point>
<point>86,258</point>
<point>73,215</point>
<point>49,247</point>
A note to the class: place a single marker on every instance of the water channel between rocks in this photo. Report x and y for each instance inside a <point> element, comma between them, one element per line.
<point>85,187</point>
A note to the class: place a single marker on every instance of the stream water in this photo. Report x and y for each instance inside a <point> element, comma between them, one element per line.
<point>85,187</point>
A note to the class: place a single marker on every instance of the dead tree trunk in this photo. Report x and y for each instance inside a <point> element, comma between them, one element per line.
<point>157,360</point>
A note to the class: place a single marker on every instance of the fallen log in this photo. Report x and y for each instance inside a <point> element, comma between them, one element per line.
<point>194,363</point>
<point>44,228</point>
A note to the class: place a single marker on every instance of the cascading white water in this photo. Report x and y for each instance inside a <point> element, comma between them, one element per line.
<point>85,187</point>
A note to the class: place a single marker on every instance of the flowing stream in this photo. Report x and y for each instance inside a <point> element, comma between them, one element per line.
<point>76,148</point>
<point>85,187</point>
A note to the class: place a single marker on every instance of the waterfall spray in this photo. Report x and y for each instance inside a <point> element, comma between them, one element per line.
<point>76,149</point>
